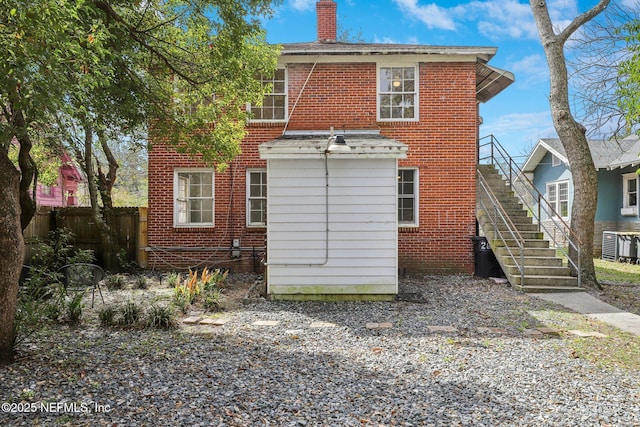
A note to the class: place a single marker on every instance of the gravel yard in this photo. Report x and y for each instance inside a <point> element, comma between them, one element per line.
<point>453,350</point>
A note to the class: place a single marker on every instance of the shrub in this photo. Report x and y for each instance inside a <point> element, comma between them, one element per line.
<point>173,279</point>
<point>107,315</point>
<point>212,299</point>
<point>131,313</point>
<point>142,282</point>
<point>115,282</point>
<point>161,317</point>
<point>75,308</point>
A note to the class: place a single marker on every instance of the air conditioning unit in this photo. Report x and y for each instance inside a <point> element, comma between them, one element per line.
<point>619,246</point>
<point>610,245</point>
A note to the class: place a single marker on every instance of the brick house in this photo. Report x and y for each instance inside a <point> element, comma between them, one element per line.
<point>425,98</point>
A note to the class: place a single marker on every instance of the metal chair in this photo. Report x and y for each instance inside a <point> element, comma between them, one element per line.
<point>81,276</point>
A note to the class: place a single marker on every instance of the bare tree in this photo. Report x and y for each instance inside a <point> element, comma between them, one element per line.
<point>572,134</point>
<point>597,51</point>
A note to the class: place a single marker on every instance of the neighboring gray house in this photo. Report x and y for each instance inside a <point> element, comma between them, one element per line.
<point>616,162</point>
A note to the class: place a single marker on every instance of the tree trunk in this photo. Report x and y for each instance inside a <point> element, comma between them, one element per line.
<point>572,135</point>
<point>28,169</point>
<point>99,214</point>
<point>11,255</point>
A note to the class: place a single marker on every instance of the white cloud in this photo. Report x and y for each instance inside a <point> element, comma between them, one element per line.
<point>432,15</point>
<point>631,4</point>
<point>497,19</point>
<point>535,125</point>
<point>531,70</point>
<point>303,4</point>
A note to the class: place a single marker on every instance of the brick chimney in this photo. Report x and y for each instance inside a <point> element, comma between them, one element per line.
<point>326,15</point>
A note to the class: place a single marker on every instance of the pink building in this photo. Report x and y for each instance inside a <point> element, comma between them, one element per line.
<point>65,191</point>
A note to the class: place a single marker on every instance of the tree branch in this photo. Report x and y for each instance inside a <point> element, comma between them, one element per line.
<point>581,20</point>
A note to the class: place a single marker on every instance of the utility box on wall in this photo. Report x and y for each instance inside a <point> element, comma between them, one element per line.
<point>332,217</point>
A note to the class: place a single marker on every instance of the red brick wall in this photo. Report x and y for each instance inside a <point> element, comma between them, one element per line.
<point>442,145</point>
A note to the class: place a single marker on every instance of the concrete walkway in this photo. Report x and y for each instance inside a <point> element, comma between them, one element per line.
<point>582,302</point>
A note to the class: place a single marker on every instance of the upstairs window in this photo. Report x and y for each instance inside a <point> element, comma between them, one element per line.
<point>397,93</point>
<point>407,197</point>
<point>193,198</point>
<point>274,105</point>
<point>558,197</point>
<point>256,198</point>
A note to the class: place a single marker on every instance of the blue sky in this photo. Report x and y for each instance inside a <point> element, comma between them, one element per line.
<point>518,116</point>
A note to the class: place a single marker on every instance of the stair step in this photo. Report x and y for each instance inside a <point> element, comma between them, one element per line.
<point>542,261</point>
<point>533,234</point>
<point>547,281</point>
<point>538,270</point>
<point>548,289</point>
<point>522,227</point>
<point>528,243</point>
<point>528,252</point>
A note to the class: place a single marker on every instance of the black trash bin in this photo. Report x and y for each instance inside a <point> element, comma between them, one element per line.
<point>485,262</point>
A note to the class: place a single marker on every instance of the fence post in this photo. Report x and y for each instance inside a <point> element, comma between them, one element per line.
<point>142,237</point>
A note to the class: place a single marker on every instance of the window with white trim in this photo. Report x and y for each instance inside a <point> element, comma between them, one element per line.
<point>397,93</point>
<point>274,105</point>
<point>407,197</point>
<point>193,197</point>
<point>630,190</point>
<point>555,160</point>
<point>558,197</point>
<point>256,197</point>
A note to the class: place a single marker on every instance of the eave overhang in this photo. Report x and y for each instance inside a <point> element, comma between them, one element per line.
<point>309,145</point>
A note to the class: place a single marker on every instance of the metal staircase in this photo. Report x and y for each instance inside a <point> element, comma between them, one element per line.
<point>515,217</point>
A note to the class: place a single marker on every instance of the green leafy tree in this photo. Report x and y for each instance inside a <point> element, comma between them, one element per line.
<point>89,71</point>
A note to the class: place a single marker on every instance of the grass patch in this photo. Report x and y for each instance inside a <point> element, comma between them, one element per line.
<point>620,272</point>
<point>619,350</point>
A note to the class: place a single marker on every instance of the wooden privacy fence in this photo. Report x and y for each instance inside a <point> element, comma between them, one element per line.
<point>129,224</point>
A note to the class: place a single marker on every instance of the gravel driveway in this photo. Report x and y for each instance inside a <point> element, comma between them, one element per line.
<point>455,351</point>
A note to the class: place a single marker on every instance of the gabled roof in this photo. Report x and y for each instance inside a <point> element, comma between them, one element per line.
<point>489,80</point>
<point>606,153</point>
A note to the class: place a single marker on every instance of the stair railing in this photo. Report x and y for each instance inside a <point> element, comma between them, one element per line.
<point>543,213</point>
<point>498,217</point>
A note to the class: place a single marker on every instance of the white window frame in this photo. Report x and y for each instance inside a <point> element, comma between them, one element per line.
<point>250,198</point>
<point>416,198</point>
<point>415,92</point>
<point>555,160</point>
<point>179,201</point>
<point>556,203</point>
<point>264,81</point>
<point>625,189</point>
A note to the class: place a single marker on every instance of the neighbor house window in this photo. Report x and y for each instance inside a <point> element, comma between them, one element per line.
<point>193,198</point>
<point>555,160</point>
<point>46,190</point>
<point>397,93</point>
<point>558,197</point>
<point>407,197</point>
<point>274,105</point>
<point>256,198</point>
<point>630,190</point>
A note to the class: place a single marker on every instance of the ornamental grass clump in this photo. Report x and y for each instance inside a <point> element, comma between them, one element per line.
<point>204,286</point>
